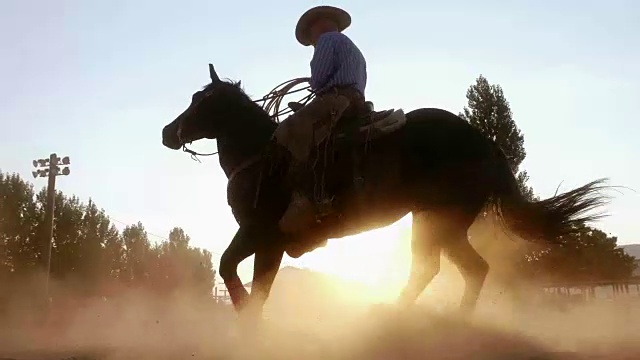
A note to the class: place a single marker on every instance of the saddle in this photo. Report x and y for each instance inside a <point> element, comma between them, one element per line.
<point>295,106</point>
<point>368,126</point>
<point>374,123</point>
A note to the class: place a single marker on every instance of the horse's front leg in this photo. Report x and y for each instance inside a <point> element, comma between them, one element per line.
<point>265,267</point>
<point>241,247</point>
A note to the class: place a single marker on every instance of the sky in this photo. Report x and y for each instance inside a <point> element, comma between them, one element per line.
<point>97,81</point>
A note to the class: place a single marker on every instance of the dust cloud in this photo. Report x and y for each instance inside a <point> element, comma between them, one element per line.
<point>315,316</point>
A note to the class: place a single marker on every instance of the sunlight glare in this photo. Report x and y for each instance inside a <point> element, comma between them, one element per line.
<point>379,259</point>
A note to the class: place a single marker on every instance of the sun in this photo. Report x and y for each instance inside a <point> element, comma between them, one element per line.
<point>379,258</point>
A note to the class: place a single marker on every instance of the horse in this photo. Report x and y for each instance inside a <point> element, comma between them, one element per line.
<point>437,167</point>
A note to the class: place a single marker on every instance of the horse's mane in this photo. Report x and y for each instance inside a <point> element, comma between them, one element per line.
<point>255,116</point>
<point>270,102</point>
<point>236,84</point>
<point>237,89</point>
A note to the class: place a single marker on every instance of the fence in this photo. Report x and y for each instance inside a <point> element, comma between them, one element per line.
<point>594,290</point>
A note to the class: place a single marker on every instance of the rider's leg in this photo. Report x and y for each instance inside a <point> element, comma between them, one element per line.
<point>353,118</point>
<point>299,133</point>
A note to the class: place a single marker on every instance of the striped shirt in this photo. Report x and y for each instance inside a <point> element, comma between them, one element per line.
<point>337,61</point>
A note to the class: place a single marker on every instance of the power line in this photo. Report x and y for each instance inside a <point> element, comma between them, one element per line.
<point>148,233</point>
<point>155,235</point>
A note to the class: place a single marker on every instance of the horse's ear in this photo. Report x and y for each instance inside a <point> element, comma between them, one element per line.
<point>239,83</point>
<point>212,74</point>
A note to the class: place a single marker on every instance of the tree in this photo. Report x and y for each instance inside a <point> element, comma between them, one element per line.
<point>19,220</point>
<point>186,267</point>
<point>96,232</point>
<point>136,253</point>
<point>113,255</point>
<point>489,111</point>
<point>66,252</point>
<point>90,257</point>
<point>178,239</point>
<point>204,274</point>
<point>20,248</point>
<point>590,255</point>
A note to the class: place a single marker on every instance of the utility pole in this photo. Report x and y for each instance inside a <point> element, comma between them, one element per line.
<point>50,168</point>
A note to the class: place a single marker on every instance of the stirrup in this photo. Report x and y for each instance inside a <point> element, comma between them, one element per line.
<point>379,115</point>
<point>324,207</point>
<point>358,183</point>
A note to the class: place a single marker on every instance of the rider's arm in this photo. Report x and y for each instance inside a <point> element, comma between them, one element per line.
<point>323,63</point>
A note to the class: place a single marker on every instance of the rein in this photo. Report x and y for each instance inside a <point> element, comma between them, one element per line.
<point>271,104</point>
<point>195,154</point>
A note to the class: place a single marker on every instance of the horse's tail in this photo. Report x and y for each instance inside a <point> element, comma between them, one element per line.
<point>543,220</point>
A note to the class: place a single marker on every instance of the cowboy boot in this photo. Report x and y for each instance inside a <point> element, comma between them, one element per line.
<point>298,216</point>
<point>300,213</point>
<point>358,178</point>
<point>352,144</point>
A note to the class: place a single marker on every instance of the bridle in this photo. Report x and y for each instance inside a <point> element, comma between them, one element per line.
<point>270,103</point>
<point>195,154</point>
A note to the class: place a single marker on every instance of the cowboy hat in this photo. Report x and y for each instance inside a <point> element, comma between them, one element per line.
<point>339,16</point>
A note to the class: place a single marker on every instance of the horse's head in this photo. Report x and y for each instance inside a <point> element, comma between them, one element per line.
<point>209,115</point>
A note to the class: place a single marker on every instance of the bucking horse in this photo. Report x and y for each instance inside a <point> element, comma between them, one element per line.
<point>436,166</point>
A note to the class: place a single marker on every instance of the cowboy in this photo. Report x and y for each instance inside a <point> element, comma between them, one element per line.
<point>338,79</point>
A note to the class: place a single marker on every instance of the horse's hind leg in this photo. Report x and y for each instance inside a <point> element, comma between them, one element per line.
<point>472,266</point>
<point>425,259</point>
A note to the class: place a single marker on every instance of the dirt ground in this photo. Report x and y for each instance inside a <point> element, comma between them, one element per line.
<point>136,327</point>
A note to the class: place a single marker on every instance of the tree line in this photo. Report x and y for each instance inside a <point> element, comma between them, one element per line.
<point>90,256</point>
<point>589,256</point>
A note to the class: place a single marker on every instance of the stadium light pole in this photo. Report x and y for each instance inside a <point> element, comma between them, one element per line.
<point>50,168</point>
